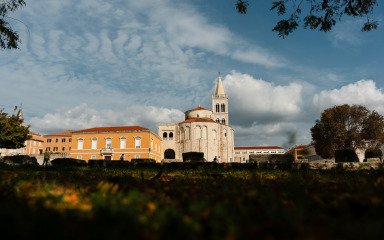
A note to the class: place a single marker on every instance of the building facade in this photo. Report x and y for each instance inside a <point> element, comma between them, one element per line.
<point>58,142</point>
<point>242,153</point>
<point>109,143</point>
<point>35,145</point>
<point>202,130</point>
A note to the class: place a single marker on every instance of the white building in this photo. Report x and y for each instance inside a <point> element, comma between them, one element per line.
<point>202,131</point>
<point>242,153</point>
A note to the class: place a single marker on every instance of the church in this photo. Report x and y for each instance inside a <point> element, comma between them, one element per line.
<point>202,130</point>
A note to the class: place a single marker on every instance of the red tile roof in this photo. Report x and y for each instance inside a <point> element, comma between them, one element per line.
<point>199,108</point>
<point>112,129</point>
<point>198,120</point>
<point>66,133</point>
<point>262,147</point>
<point>32,133</point>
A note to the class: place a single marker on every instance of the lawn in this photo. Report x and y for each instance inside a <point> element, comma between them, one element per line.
<point>201,203</point>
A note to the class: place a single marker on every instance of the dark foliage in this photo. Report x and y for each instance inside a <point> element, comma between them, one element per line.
<point>9,39</point>
<point>317,14</point>
<point>12,133</point>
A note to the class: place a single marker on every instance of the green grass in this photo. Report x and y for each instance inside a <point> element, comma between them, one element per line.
<point>211,203</point>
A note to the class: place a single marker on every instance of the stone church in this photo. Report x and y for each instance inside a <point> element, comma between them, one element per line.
<point>202,131</point>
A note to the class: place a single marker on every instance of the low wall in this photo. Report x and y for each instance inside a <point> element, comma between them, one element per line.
<point>271,158</point>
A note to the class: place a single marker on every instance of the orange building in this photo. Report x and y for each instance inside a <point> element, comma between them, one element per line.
<point>109,143</point>
<point>35,145</point>
<point>58,142</point>
<point>296,151</point>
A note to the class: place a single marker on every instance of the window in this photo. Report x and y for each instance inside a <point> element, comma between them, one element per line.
<point>137,156</point>
<point>197,115</point>
<point>171,136</point>
<point>63,149</point>
<point>49,140</point>
<point>39,144</point>
<point>70,140</point>
<point>251,152</point>
<point>69,149</point>
<point>244,152</point>
<point>34,143</point>
<point>243,159</point>
<point>165,135</point>
<point>79,157</point>
<point>80,144</point>
<point>137,142</point>
<point>63,140</point>
<point>108,142</point>
<point>222,107</point>
<point>258,152</point>
<point>33,151</point>
<point>218,120</point>
<point>223,121</point>
<point>57,140</point>
<point>93,157</point>
<point>152,143</point>
<point>265,152</point>
<point>48,149</point>
<point>55,149</point>
<point>217,107</point>
<point>237,152</point>
<point>123,143</point>
<point>24,150</point>
<point>94,143</point>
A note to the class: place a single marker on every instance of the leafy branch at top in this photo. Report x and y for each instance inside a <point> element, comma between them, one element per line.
<point>320,14</point>
<point>9,39</point>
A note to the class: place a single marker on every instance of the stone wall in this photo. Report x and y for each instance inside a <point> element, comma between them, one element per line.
<point>272,158</point>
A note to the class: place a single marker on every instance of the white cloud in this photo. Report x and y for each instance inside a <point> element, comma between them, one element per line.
<point>83,116</point>
<point>256,100</point>
<point>363,92</point>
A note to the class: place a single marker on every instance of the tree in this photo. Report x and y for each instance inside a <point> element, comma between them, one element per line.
<point>320,14</point>
<point>8,37</point>
<point>12,133</point>
<point>346,127</point>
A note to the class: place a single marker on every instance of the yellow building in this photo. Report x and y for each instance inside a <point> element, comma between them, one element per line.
<point>109,143</point>
<point>35,145</point>
<point>58,142</point>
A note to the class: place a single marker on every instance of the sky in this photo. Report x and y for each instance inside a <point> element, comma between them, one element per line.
<point>92,63</point>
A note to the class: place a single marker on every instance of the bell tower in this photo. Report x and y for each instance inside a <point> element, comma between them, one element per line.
<point>220,104</point>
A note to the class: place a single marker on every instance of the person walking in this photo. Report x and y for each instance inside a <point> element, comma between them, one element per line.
<point>215,160</point>
<point>47,155</point>
<point>219,159</point>
<point>122,157</point>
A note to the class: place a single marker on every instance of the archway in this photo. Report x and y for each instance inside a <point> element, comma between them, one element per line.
<point>169,154</point>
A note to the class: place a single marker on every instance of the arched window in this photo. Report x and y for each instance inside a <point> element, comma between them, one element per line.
<point>223,121</point>
<point>165,135</point>
<point>171,136</point>
<point>222,107</point>
<point>169,154</point>
<point>218,120</point>
<point>217,107</point>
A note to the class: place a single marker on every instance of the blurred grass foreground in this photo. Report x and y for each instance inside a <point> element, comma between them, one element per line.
<point>212,203</point>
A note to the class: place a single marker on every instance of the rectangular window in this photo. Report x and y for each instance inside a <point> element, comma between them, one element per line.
<point>251,152</point>
<point>109,143</point>
<point>79,157</point>
<point>55,149</point>
<point>137,143</point>
<point>49,140</point>
<point>237,152</point>
<point>63,140</point>
<point>33,151</point>
<point>93,157</point>
<point>123,143</point>
<point>63,149</point>
<point>34,143</point>
<point>39,144</point>
<point>265,152</point>
<point>244,152</point>
<point>137,156</point>
<point>94,143</point>
<point>70,140</point>
<point>57,140</point>
<point>69,149</point>
<point>80,144</point>
<point>48,149</point>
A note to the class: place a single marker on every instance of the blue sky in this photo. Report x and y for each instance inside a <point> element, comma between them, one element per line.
<point>89,63</point>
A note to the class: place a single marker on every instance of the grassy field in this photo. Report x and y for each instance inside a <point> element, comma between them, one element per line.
<point>211,203</point>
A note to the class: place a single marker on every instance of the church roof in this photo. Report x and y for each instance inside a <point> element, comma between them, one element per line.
<point>112,129</point>
<point>199,108</point>
<point>219,87</point>
<point>198,120</point>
